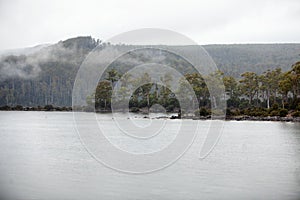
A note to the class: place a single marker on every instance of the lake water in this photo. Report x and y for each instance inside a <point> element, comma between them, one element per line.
<point>42,157</point>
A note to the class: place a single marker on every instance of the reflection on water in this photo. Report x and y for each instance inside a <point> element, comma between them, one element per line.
<point>41,157</point>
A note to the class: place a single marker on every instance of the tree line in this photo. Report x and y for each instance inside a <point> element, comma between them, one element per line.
<point>272,93</point>
<point>47,77</point>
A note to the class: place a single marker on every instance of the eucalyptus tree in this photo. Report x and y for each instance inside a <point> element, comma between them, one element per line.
<point>164,90</point>
<point>295,78</point>
<point>199,87</point>
<point>269,84</point>
<point>285,87</point>
<point>113,76</point>
<point>249,85</point>
<point>232,90</point>
<point>103,94</point>
<point>231,86</point>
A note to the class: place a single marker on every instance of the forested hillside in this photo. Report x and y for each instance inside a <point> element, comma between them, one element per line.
<point>236,59</point>
<point>47,75</point>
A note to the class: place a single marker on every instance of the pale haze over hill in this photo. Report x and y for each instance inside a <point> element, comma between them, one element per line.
<point>46,75</point>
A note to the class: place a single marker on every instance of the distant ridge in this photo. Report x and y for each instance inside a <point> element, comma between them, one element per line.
<point>234,59</point>
<point>23,51</point>
<point>45,74</point>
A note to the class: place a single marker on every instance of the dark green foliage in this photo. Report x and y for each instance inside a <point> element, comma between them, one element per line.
<point>5,108</point>
<point>134,109</point>
<point>103,95</point>
<point>256,112</point>
<point>283,112</point>
<point>49,108</point>
<point>202,112</point>
<point>229,112</point>
<point>274,113</point>
<point>275,106</point>
<point>243,104</point>
<point>18,107</point>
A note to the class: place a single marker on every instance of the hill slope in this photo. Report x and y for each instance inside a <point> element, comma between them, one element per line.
<point>238,58</point>
<point>47,75</point>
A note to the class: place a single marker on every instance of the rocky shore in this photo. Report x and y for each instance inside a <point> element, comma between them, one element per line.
<point>38,108</point>
<point>247,118</point>
<point>269,118</point>
<point>288,118</point>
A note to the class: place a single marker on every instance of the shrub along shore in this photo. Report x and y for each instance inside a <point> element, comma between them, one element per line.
<point>38,108</point>
<point>255,114</point>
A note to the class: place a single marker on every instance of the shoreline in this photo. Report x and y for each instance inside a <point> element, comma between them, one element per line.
<point>268,118</point>
<point>174,116</point>
<point>251,118</point>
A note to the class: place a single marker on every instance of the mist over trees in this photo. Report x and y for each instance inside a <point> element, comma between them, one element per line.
<point>254,75</point>
<point>45,77</point>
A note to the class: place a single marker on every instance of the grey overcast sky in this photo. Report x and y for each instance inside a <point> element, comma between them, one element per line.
<point>31,22</point>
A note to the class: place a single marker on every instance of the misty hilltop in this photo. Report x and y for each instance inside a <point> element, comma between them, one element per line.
<point>45,74</point>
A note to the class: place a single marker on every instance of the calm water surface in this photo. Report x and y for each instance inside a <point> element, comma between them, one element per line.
<point>41,157</point>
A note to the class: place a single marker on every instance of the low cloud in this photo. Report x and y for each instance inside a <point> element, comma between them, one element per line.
<point>18,67</point>
<point>29,66</point>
